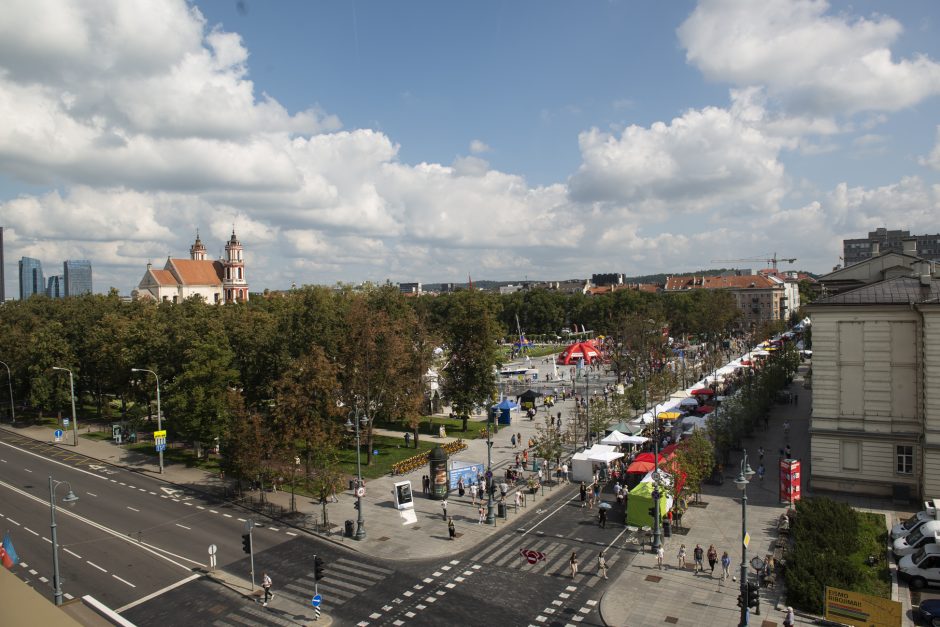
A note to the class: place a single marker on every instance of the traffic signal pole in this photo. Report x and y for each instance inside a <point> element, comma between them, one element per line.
<point>248,546</point>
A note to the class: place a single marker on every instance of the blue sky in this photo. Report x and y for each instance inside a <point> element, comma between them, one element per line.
<point>351,141</point>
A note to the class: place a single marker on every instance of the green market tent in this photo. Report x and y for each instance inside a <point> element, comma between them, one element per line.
<point>641,501</point>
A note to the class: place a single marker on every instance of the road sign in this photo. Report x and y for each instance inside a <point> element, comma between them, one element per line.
<point>360,491</point>
<point>58,435</point>
<point>212,549</point>
<point>159,440</point>
<point>65,421</point>
<point>533,557</point>
<point>747,539</point>
<point>161,447</point>
<point>159,434</point>
<point>316,600</point>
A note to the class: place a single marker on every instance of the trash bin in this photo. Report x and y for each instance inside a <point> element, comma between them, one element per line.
<point>350,527</point>
<point>501,510</point>
<point>352,484</point>
<point>667,529</point>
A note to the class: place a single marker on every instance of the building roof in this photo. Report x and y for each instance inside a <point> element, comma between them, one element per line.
<point>163,277</point>
<point>905,290</point>
<point>752,281</point>
<point>193,272</point>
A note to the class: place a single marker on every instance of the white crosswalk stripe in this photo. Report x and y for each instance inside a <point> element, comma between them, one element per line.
<point>345,579</point>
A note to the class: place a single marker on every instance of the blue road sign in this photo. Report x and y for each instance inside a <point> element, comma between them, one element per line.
<point>316,600</point>
<point>58,434</point>
<point>161,447</point>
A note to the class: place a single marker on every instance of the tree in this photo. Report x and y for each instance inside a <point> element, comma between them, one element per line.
<point>548,442</point>
<point>695,457</point>
<point>471,336</point>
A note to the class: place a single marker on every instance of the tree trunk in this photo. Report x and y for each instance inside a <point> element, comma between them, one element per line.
<point>369,447</point>
<point>415,432</point>
<point>465,418</point>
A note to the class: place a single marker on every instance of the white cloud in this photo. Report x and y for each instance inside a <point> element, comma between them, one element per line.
<point>477,147</point>
<point>810,59</point>
<point>932,160</point>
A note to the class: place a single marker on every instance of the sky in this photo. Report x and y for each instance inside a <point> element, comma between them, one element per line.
<point>435,141</point>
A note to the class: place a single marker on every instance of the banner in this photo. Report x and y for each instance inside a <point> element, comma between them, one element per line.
<point>861,610</point>
<point>790,480</point>
<point>8,555</point>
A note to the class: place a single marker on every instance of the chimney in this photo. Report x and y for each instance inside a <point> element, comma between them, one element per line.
<point>910,246</point>
<point>875,249</point>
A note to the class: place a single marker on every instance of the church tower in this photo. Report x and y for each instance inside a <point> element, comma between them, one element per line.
<point>197,252</point>
<point>234,283</point>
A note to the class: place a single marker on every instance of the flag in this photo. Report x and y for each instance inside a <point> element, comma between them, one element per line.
<point>7,553</point>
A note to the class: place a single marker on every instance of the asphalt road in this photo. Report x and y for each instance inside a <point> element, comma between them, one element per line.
<point>127,536</point>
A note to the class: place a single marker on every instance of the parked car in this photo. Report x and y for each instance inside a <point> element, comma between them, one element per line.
<point>921,536</point>
<point>905,527</point>
<point>921,568</point>
<point>930,612</point>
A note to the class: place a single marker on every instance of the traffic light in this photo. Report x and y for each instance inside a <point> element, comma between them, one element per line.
<point>740,601</point>
<point>753,595</point>
<point>317,568</point>
<point>246,543</point>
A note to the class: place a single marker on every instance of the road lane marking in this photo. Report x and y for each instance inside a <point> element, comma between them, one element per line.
<point>72,553</point>
<point>123,580</point>
<point>91,494</point>
<point>47,539</point>
<point>291,533</point>
<point>184,527</point>
<point>43,579</point>
<point>69,596</point>
<point>31,531</point>
<point>558,509</point>
<point>200,507</point>
<point>242,520</point>
<point>153,595</point>
<point>96,566</point>
<point>27,470</point>
<point>132,509</point>
<point>33,572</point>
<point>227,515</point>
<point>212,511</point>
<point>14,522</point>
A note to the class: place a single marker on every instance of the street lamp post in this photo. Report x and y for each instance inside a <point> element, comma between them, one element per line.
<point>68,498</point>
<point>72,390</point>
<point>360,522</point>
<point>159,415</point>
<point>656,537</point>
<point>490,518</point>
<point>744,476</point>
<point>10,382</point>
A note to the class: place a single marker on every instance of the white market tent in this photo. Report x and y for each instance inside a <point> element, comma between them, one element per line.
<point>614,438</point>
<point>582,464</point>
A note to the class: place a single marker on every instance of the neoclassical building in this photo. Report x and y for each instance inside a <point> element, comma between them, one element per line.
<point>217,281</point>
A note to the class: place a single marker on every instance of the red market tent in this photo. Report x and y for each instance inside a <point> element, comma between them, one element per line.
<point>703,392</point>
<point>579,350</point>
<point>640,467</point>
<point>704,409</point>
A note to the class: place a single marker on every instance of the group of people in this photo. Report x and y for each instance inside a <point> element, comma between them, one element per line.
<point>699,555</point>
<point>601,564</point>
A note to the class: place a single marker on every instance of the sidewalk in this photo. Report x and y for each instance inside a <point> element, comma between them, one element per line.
<point>644,595</point>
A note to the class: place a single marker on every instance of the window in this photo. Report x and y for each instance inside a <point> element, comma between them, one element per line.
<point>850,456</point>
<point>905,457</point>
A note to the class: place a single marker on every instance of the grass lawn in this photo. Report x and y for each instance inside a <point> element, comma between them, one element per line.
<point>173,455</point>
<point>451,425</point>
<point>872,536</point>
<point>391,450</point>
<point>535,351</point>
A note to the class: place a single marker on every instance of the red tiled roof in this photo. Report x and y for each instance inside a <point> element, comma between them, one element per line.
<point>193,272</point>
<point>163,277</point>
<point>753,281</point>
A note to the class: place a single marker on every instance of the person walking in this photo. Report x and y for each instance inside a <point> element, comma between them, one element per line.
<point>518,499</point>
<point>698,553</point>
<point>712,557</point>
<point>573,563</point>
<point>760,454</point>
<point>444,508</point>
<point>426,484</point>
<point>660,554</point>
<point>482,512</point>
<point>512,440</point>
<point>266,586</point>
<point>602,518</point>
<point>725,565</point>
<point>564,472</point>
<point>760,472</point>
<point>583,491</point>
<point>451,529</point>
<point>681,557</point>
<point>460,488</point>
<point>601,565</point>
<point>473,493</point>
<point>789,618</point>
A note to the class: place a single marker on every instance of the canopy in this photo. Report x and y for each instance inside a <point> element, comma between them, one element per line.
<point>582,464</point>
<point>615,437</point>
<point>507,404</point>
<point>679,394</point>
<point>626,427</point>
<point>704,409</point>
<point>640,503</point>
<point>585,350</point>
<point>688,402</point>
<point>640,467</point>
<point>529,396</point>
<point>668,415</point>
<point>703,392</point>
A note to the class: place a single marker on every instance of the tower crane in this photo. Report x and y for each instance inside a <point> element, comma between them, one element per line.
<point>771,260</point>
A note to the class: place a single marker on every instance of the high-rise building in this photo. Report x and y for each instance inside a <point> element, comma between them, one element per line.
<point>31,279</point>
<point>3,283</point>
<point>883,241</point>
<point>77,276</point>
<point>55,287</point>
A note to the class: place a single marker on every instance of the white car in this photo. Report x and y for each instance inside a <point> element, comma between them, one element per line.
<point>903,528</point>
<point>921,536</point>
<point>921,568</point>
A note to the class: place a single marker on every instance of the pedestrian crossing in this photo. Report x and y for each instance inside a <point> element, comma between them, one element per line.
<point>555,553</point>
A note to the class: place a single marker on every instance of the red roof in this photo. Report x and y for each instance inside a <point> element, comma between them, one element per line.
<point>579,350</point>
<point>196,272</point>
<point>752,281</point>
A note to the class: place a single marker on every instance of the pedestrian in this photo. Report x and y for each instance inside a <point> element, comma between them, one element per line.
<point>518,499</point>
<point>601,565</point>
<point>583,491</point>
<point>266,586</point>
<point>789,618</point>
<point>474,490</point>
<point>482,512</point>
<point>407,439</point>
<point>444,508</point>
<point>660,553</point>
<point>519,439</point>
<point>460,488</point>
<point>681,557</point>
<point>760,454</point>
<point>512,440</point>
<point>602,518</point>
<point>451,529</point>
<point>573,563</point>
<point>786,427</point>
<point>760,472</point>
<point>525,457</point>
<point>540,475</point>
<point>712,557</point>
<point>698,553</point>
<point>517,460</point>
<point>789,453</point>
<point>725,565</point>
<point>426,483</point>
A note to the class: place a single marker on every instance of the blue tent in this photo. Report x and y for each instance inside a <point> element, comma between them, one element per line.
<point>504,408</point>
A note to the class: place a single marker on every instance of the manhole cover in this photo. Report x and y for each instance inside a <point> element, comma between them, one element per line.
<point>654,578</point>
<point>382,539</point>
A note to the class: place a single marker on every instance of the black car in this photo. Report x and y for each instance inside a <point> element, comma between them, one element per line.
<point>930,612</point>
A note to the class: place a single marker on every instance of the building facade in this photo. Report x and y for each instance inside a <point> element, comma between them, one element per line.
<point>759,298</point>
<point>216,281</point>
<point>883,241</point>
<point>76,274</point>
<point>55,286</point>
<point>32,280</point>
<point>876,387</point>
